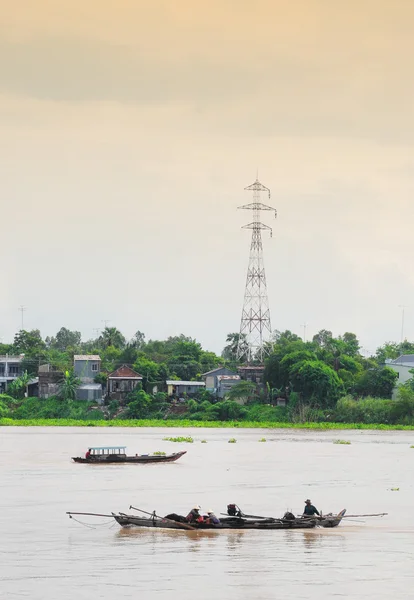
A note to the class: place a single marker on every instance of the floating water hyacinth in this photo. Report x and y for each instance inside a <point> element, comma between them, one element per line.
<point>232,440</point>
<point>188,440</point>
<point>204,441</point>
<point>263,440</point>
<point>344,442</point>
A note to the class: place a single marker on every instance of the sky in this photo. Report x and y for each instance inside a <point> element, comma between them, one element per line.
<point>129,130</point>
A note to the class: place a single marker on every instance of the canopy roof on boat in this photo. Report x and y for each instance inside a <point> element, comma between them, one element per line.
<point>107,447</point>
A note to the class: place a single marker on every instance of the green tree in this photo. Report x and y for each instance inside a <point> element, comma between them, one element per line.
<point>68,386</point>
<point>316,382</point>
<point>242,391</point>
<point>377,382</point>
<point>28,342</point>
<point>138,404</point>
<point>138,340</point>
<point>66,339</point>
<point>351,344</point>
<point>289,361</point>
<point>323,338</point>
<point>230,350</point>
<point>18,387</point>
<point>111,336</point>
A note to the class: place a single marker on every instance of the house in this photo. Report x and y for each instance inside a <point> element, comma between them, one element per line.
<point>10,369</point>
<point>211,378</point>
<point>121,382</point>
<point>252,373</point>
<point>225,383</point>
<point>49,378</point>
<point>86,367</point>
<point>401,365</point>
<point>181,388</point>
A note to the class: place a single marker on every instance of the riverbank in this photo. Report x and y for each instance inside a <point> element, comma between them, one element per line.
<point>184,423</point>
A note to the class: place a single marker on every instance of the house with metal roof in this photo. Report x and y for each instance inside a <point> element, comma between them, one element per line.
<point>402,366</point>
<point>86,367</point>
<point>211,378</point>
<point>181,388</point>
<point>122,381</point>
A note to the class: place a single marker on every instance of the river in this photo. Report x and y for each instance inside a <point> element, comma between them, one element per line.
<point>44,555</point>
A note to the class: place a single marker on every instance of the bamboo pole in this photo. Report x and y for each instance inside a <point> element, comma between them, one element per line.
<point>88,514</point>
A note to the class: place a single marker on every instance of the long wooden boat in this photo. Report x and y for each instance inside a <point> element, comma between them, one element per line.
<point>225,524</point>
<point>103,455</point>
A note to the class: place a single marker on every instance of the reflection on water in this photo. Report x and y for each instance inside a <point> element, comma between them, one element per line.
<point>45,555</point>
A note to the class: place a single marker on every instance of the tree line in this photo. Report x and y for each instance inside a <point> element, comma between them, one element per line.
<point>322,375</point>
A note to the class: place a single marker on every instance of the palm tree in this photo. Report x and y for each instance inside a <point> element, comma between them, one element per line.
<point>111,336</point>
<point>68,386</point>
<point>230,351</point>
<point>242,391</point>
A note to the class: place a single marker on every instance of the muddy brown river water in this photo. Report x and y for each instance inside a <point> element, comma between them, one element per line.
<point>44,555</point>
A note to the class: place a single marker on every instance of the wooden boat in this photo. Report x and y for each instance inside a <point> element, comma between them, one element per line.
<point>103,455</point>
<point>238,522</point>
<point>331,520</point>
<point>225,524</point>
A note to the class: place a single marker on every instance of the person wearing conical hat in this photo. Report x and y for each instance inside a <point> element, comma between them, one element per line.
<point>212,517</point>
<point>194,514</point>
<point>310,510</point>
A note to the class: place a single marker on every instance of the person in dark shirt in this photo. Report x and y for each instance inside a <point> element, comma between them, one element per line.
<point>310,510</point>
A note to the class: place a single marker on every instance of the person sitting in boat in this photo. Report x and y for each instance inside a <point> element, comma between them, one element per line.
<point>194,515</point>
<point>88,453</point>
<point>211,518</point>
<point>233,510</point>
<point>310,510</point>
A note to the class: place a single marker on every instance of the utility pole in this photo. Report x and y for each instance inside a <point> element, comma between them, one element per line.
<point>255,319</point>
<point>403,307</point>
<point>304,331</point>
<point>22,309</point>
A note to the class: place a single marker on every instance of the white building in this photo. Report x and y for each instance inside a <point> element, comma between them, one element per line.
<point>10,369</point>
<point>401,365</point>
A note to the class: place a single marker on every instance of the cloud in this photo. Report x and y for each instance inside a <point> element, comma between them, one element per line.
<point>276,92</point>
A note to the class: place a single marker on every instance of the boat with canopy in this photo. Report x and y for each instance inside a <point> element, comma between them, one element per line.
<point>103,455</point>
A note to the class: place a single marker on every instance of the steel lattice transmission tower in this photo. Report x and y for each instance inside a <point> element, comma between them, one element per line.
<point>255,320</point>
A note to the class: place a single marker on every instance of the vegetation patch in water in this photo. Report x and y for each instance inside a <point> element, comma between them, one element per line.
<point>263,440</point>
<point>204,441</point>
<point>184,423</point>
<point>344,442</point>
<point>188,440</point>
<point>232,441</point>
<point>159,453</point>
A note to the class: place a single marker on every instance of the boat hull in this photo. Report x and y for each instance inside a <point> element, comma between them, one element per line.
<point>332,520</point>
<point>225,524</point>
<point>122,459</point>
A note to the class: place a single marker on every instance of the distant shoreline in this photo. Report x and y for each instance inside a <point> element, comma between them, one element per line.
<point>185,423</point>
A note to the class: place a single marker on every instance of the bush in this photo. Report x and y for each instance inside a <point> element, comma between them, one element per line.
<point>260,413</point>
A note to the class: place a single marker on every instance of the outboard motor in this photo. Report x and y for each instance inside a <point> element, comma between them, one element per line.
<point>288,516</point>
<point>232,510</point>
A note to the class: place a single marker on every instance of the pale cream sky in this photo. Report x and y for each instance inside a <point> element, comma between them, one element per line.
<point>128,131</point>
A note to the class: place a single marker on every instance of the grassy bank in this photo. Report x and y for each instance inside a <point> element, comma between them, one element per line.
<point>5,422</point>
